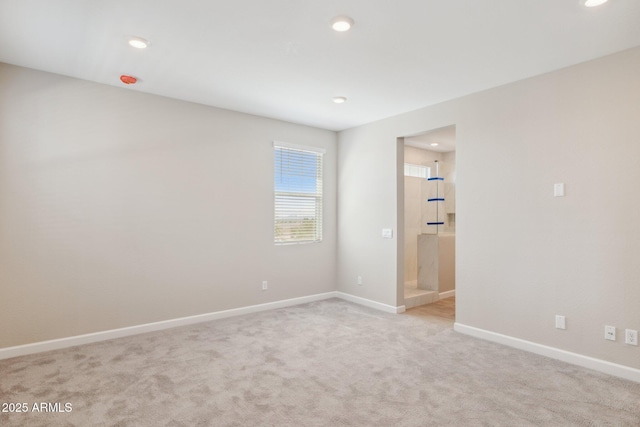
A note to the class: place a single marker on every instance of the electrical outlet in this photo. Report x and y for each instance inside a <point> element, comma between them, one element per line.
<point>610,333</point>
<point>265,285</point>
<point>561,322</point>
<point>359,280</point>
<point>631,337</point>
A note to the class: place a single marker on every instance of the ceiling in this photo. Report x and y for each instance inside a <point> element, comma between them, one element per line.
<point>281,59</point>
<point>445,138</point>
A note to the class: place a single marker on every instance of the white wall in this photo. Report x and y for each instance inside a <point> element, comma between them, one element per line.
<point>119,208</point>
<point>367,179</point>
<point>522,255</point>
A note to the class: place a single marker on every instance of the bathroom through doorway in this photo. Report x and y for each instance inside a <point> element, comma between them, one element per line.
<point>429,216</point>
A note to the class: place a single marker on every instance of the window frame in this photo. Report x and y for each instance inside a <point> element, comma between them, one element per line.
<point>410,170</point>
<point>317,196</point>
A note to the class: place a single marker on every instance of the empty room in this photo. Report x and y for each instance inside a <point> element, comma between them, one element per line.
<point>327,213</point>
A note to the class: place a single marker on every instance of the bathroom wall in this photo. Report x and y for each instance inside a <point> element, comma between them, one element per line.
<point>439,212</point>
<point>449,160</point>
<point>415,204</point>
<point>413,201</point>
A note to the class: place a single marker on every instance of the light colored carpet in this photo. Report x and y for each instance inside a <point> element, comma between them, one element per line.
<point>329,363</point>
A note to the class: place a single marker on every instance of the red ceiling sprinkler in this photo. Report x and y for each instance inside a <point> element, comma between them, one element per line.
<point>128,80</point>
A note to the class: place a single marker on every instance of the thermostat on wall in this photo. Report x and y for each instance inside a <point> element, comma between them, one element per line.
<point>387,233</point>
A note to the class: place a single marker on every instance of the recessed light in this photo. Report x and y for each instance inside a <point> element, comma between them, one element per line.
<point>341,23</point>
<point>434,144</point>
<point>339,99</point>
<point>138,42</point>
<point>594,3</point>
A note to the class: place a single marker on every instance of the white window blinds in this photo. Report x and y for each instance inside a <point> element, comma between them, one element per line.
<point>298,193</point>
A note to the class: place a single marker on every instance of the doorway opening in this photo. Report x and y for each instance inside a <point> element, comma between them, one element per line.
<point>428,210</point>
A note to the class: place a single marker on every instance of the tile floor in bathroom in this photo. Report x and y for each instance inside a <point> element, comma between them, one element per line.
<point>414,297</point>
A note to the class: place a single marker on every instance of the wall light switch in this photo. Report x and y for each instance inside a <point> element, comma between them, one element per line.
<point>558,190</point>
<point>561,322</point>
<point>387,233</point>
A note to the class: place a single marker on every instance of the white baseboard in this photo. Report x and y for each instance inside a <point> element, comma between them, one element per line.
<point>38,347</point>
<point>371,304</point>
<point>447,294</point>
<point>599,365</point>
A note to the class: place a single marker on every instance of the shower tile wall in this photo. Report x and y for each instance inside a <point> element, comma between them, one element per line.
<point>412,220</point>
<point>415,204</point>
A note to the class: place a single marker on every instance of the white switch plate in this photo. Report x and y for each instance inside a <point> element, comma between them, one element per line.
<point>387,233</point>
<point>359,280</point>
<point>631,337</point>
<point>265,285</point>
<point>558,190</point>
<point>561,322</point>
<point>610,333</point>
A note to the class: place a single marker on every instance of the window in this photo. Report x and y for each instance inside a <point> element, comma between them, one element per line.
<point>298,193</point>
<point>417,171</point>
